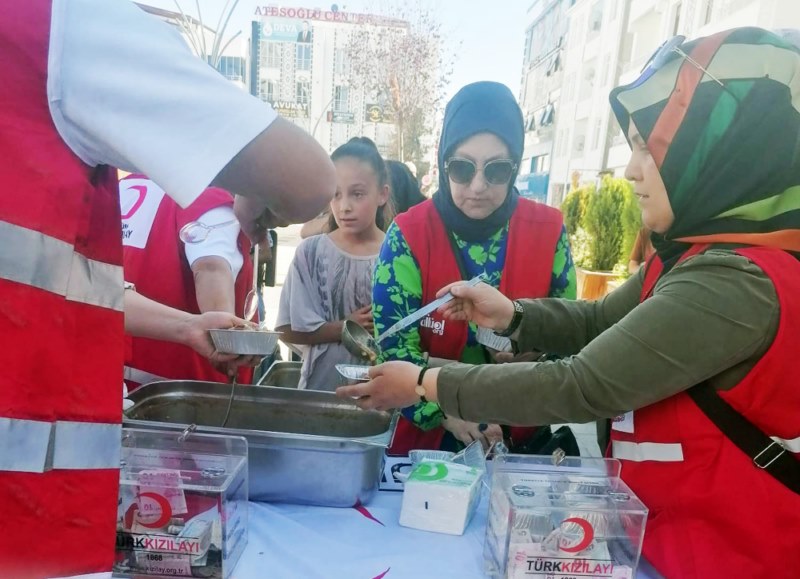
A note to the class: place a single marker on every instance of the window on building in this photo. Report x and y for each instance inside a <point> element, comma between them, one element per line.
<point>341,99</point>
<point>232,68</point>
<point>303,60</point>
<point>540,164</point>
<point>596,134</point>
<point>301,92</point>
<point>596,17</point>
<point>341,63</point>
<point>268,92</point>
<point>676,19</point>
<point>272,54</point>
<point>709,12</point>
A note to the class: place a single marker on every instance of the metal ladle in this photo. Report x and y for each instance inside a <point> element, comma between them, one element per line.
<point>360,343</point>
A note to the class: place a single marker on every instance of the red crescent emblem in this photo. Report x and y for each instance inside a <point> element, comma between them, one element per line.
<point>142,191</point>
<point>166,511</point>
<point>588,535</point>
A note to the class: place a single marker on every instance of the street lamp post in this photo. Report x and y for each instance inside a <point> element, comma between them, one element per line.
<point>319,119</point>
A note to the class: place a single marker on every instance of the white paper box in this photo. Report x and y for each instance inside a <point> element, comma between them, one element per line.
<point>440,497</point>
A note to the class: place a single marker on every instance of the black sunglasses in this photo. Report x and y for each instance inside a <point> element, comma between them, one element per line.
<point>497,172</point>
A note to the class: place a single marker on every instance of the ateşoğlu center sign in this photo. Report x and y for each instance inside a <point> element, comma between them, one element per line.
<point>327,16</point>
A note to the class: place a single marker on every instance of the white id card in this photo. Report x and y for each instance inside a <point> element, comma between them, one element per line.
<point>623,423</point>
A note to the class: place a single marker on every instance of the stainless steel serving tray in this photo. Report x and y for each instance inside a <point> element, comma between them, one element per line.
<point>305,447</point>
<point>283,374</point>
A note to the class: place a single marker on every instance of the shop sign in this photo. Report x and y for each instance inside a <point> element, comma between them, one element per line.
<point>376,113</point>
<point>341,117</point>
<point>290,109</point>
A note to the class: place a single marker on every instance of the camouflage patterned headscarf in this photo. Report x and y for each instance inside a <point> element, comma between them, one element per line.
<point>729,155</point>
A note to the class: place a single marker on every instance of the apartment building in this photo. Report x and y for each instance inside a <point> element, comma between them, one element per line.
<point>299,64</point>
<point>607,44</point>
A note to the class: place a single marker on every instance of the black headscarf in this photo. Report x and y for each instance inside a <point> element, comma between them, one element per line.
<point>405,189</point>
<point>481,107</point>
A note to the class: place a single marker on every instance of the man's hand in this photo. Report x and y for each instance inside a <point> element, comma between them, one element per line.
<point>363,317</point>
<point>467,432</point>
<point>481,304</point>
<point>195,335</point>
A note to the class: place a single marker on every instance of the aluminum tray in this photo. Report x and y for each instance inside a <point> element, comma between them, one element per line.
<point>306,447</point>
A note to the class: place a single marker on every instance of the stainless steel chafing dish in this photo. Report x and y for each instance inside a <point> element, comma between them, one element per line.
<point>305,447</point>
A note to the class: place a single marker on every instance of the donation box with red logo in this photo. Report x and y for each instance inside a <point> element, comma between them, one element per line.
<point>183,504</point>
<point>573,519</point>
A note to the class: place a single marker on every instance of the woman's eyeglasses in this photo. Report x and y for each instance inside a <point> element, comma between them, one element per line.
<point>664,52</point>
<point>673,46</point>
<point>497,172</point>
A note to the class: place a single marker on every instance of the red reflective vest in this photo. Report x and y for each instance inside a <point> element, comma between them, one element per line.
<point>533,234</point>
<point>155,262</point>
<point>61,323</point>
<point>713,513</point>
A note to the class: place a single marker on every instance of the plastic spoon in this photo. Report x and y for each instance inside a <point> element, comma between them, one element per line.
<point>251,301</point>
<point>360,343</point>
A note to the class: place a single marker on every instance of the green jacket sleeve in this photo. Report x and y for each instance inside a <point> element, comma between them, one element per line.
<point>711,317</point>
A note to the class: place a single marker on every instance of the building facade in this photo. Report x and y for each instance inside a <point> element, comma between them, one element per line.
<point>542,79</point>
<point>300,64</point>
<point>607,44</point>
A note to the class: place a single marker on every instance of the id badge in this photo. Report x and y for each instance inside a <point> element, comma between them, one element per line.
<point>623,423</point>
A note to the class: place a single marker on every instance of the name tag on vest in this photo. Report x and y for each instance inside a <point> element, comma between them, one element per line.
<point>623,423</point>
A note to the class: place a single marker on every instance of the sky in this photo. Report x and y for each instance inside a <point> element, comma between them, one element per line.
<point>486,37</point>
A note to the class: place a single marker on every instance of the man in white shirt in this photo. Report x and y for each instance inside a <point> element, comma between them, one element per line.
<point>90,85</point>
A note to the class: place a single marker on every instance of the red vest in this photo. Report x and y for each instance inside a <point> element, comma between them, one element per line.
<point>533,234</point>
<point>713,513</point>
<point>160,272</point>
<point>61,324</point>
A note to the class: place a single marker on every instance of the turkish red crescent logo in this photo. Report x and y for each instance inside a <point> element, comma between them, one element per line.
<point>166,511</point>
<point>142,191</point>
<point>588,535</point>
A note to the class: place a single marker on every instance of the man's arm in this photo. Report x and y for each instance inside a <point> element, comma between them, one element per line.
<point>213,284</point>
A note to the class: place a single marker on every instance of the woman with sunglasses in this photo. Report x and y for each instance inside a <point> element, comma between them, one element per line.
<point>475,224</point>
<point>696,354</point>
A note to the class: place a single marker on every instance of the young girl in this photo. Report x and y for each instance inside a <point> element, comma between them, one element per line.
<point>330,279</point>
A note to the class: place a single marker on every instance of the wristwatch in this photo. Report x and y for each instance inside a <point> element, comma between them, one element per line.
<point>515,321</point>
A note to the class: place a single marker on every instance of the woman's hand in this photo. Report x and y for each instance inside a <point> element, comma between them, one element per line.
<point>481,304</point>
<point>467,432</point>
<point>391,385</point>
<point>363,317</point>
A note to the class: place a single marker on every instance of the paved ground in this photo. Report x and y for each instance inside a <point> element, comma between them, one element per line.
<point>289,239</point>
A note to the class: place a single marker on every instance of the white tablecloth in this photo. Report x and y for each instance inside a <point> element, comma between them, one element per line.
<point>294,542</point>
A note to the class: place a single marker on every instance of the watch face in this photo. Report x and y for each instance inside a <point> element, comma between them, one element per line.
<point>518,307</point>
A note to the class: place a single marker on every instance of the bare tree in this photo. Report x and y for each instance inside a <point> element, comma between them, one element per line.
<point>196,34</point>
<point>405,66</point>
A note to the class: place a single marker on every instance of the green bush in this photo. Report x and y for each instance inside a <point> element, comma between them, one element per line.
<point>602,224</point>
<point>573,207</point>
